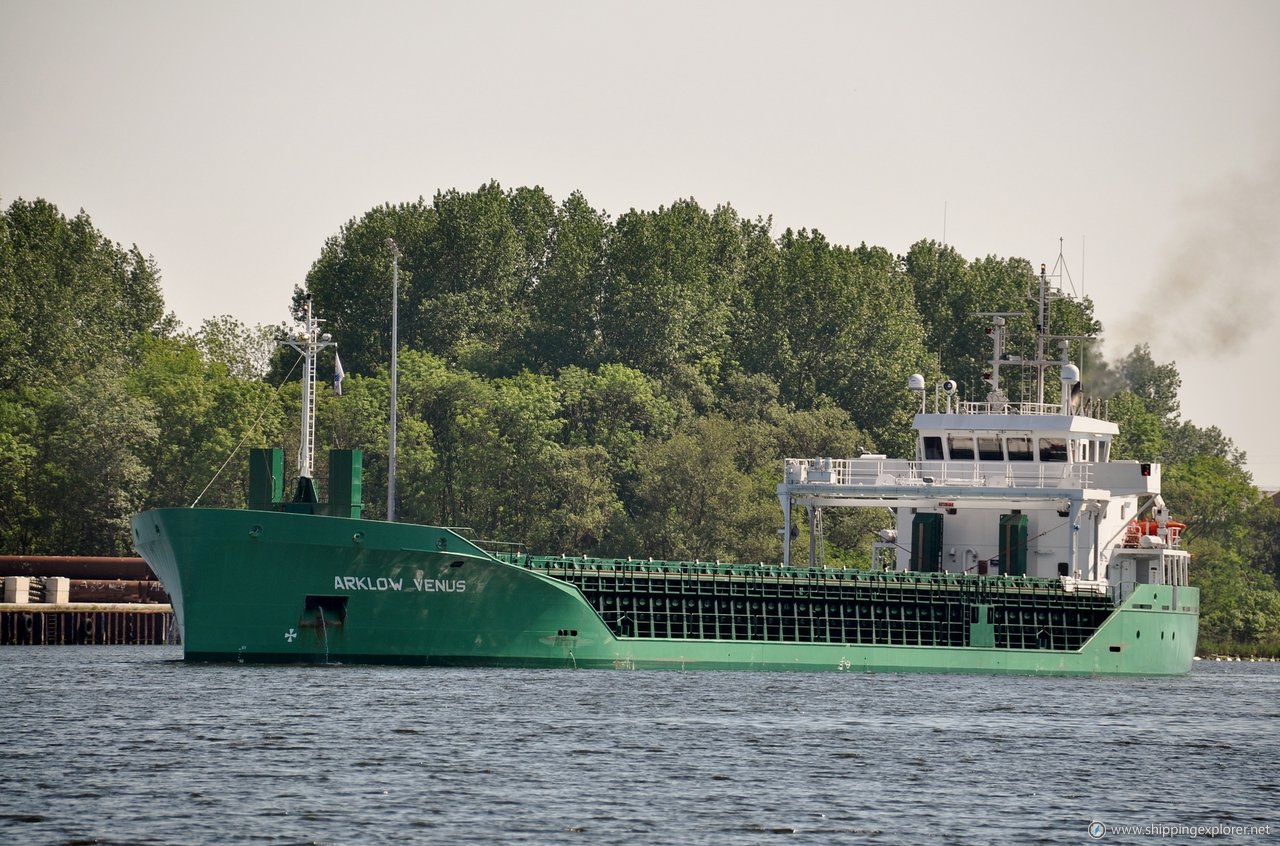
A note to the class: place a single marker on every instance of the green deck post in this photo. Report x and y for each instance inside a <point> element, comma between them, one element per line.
<point>346,470</point>
<point>266,478</point>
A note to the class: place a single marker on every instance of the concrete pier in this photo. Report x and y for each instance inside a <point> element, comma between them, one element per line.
<point>30,624</point>
<point>51,600</point>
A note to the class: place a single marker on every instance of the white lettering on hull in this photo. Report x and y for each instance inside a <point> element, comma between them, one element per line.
<point>376,584</point>
<point>441,585</point>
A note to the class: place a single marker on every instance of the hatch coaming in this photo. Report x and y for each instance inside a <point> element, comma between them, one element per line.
<point>702,601</point>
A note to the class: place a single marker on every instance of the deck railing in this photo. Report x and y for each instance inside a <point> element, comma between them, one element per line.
<point>900,472</point>
<point>1095,408</point>
<point>1021,408</point>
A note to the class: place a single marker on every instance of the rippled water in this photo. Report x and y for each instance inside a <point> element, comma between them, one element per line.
<point>131,745</point>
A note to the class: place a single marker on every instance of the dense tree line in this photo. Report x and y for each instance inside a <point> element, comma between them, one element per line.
<point>568,381</point>
<point>105,406</point>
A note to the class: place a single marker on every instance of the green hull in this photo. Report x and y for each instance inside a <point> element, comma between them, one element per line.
<point>281,587</point>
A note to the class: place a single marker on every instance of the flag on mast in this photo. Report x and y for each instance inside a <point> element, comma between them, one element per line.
<point>338,374</point>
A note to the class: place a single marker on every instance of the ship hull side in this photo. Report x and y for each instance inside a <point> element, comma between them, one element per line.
<point>279,587</point>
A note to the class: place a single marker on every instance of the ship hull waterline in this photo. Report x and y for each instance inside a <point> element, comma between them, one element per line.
<point>275,587</point>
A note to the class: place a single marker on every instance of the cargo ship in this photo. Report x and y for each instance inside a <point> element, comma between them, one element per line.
<point>1017,546</point>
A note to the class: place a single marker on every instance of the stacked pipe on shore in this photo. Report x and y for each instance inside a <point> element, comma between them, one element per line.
<point>54,600</point>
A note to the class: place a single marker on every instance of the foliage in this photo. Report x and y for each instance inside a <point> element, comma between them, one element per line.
<point>1142,435</point>
<point>71,303</point>
<point>1155,384</point>
<point>91,498</point>
<point>205,417</point>
<point>568,381</point>
<point>1211,495</point>
<point>695,495</point>
<point>245,352</point>
<point>69,298</point>
<point>565,301</point>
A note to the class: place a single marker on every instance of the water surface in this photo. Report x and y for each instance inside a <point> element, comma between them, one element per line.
<point>118,745</point>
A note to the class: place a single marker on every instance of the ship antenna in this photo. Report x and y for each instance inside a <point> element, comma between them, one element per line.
<point>1042,329</point>
<point>1048,294</point>
<point>998,332</point>
<point>391,435</point>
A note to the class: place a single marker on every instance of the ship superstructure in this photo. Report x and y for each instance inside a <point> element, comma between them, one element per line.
<point>1004,488</point>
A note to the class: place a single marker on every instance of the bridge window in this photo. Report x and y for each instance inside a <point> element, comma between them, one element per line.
<point>1053,449</point>
<point>1019,447</point>
<point>932,448</point>
<point>960,447</point>
<point>989,448</point>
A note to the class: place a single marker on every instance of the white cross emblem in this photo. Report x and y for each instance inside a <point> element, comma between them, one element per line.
<point>290,635</point>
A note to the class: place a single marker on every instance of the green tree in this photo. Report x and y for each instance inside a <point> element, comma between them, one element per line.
<point>843,324</point>
<point>351,281</point>
<point>206,419</point>
<point>471,297</point>
<point>575,504</point>
<point>358,419</point>
<point>1263,537</point>
<point>565,301</point>
<point>470,263</point>
<point>71,303</point>
<point>21,432</point>
<point>948,295</point>
<point>1185,440</point>
<point>1141,435</point>
<point>69,298</point>
<point>698,499</point>
<point>616,408</point>
<point>671,276</point>
<point>1212,496</point>
<point>245,351</point>
<point>1155,384</point>
<point>953,295</point>
<point>89,478</point>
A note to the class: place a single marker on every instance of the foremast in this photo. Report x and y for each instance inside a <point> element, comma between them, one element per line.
<point>309,342</point>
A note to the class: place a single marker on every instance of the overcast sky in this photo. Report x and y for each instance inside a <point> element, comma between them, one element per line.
<point>229,139</point>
